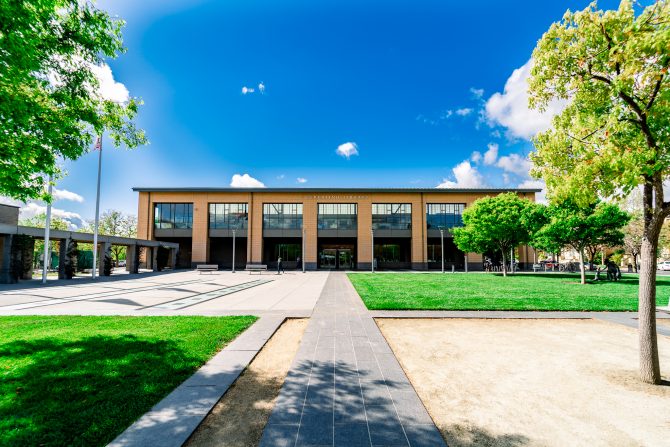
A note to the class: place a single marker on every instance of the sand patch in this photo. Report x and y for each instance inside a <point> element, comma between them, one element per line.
<point>532,382</point>
<point>239,417</point>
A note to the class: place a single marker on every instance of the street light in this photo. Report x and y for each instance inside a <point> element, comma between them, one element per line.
<point>372,232</point>
<point>302,243</point>
<point>442,246</point>
<point>233,250</point>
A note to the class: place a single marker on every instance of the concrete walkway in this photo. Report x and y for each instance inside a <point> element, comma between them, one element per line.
<point>345,387</point>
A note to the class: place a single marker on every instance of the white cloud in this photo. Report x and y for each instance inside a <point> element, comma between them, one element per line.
<point>466,176</point>
<point>541,196</point>
<point>491,155</point>
<point>515,164</point>
<point>64,194</point>
<point>32,209</point>
<point>477,92</point>
<point>247,90</point>
<point>108,88</point>
<point>347,149</point>
<point>261,88</point>
<point>506,178</point>
<point>245,181</point>
<point>464,111</point>
<point>510,108</point>
<point>476,157</point>
<point>301,180</point>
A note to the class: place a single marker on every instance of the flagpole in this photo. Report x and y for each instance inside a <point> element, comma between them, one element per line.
<point>47,228</point>
<point>97,209</point>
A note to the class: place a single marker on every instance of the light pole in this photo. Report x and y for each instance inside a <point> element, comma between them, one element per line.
<point>442,246</point>
<point>302,246</point>
<point>47,229</point>
<point>233,251</point>
<point>372,233</point>
<point>98,146</point>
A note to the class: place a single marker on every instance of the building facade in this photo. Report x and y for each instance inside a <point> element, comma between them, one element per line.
<point>325,228</point>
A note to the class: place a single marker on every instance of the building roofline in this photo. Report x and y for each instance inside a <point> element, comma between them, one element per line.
<point>336,190</point>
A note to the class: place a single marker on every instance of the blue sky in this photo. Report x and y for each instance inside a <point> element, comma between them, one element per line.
<point>418,88</point>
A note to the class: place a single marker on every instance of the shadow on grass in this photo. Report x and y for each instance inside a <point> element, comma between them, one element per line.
<point>83,392</point>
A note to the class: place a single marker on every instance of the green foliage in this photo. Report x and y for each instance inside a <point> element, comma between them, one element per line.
<point>39,221</point>
<point>612,67</point>
<point>114,223</point>
<point>473,291</point>
<point>498,223</point>
<point>50,104</point>
<point>67,380</point>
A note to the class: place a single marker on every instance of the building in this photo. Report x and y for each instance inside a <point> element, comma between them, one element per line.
<point>337,226</point>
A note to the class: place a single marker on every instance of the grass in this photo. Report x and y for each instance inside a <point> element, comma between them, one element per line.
<point>437,291</point>
<point>82,380</point>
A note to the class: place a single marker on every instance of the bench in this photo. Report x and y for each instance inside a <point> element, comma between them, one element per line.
<point>256,268</point>
<point>206,268</point>
<point>537,267</point>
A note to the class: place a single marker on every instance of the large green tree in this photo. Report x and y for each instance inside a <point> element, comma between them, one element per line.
<point>614,134</point>
<point>500,223</point>
<point>51,104</point>
<point>579,227</point>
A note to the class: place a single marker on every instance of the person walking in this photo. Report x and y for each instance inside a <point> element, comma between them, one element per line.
<point>280,267</point>
<point>298,263</point>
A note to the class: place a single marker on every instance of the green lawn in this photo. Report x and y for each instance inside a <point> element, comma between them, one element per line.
<point>82,380</point>
<point>476,291</point>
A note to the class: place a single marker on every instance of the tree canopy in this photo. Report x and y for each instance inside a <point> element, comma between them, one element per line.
<point>578,227</point>
<point>614,134</point>
<point>51,105</point>
<point>499,223</point>
<point>114,223</point>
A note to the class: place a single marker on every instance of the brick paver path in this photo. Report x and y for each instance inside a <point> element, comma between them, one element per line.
<point>345,387</point>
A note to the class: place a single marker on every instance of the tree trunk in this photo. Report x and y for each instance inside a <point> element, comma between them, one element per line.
<point>581,266</point>
<point>504,263</point>
<point>650,370</point>
<point>635,263</point>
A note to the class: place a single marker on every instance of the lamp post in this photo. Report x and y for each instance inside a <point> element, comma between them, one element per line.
<point>442,246</point>
<point>233,271</point>
<point>372,233</point>
<point>47,229</point>
<point>302,246</point>
<point>98,146</point>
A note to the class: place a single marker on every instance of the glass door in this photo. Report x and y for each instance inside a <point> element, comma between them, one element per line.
<point>344,259</point>
<point>328,258</point>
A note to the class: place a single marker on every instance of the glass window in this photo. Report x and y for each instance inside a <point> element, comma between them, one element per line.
<point>337,216</point>
<point>173,215</point>
<point>231,216</point>
<point>288,252</point>
<point>282,216</point>
<point>391,216</point>
<point>444,215</point>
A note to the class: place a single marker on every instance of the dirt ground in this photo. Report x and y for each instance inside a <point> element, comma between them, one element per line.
<point>533,382</point>
<point>241,414</point>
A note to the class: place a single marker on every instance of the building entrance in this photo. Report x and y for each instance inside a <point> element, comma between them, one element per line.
<point>336,255</point>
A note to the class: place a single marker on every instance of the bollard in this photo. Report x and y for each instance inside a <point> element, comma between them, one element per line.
<point>453,269</point>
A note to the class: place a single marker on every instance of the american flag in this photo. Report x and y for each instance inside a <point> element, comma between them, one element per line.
<point>98,144</point>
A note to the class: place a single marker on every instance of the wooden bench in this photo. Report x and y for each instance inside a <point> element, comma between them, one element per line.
<point>206,268</point>
<point>537,267</point>
<point>256,268</point>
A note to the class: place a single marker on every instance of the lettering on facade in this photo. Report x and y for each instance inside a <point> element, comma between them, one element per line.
<point>340,197</point>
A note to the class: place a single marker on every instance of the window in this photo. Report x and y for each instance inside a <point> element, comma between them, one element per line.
<point>288,252</point>
<point>173,215</point>
<point>282,216</point>
<point>337,216</point>
<point>391,216</point>
<point>231,216</point>
<point>444,215</point>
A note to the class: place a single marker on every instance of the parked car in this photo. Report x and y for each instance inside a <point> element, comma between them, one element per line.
<point>665,266</point>
<point>122,263</point>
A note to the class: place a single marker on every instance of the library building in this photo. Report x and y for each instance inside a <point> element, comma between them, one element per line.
<point>337,229</point>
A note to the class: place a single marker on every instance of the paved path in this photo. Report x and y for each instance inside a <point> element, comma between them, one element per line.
<point>345,386</point>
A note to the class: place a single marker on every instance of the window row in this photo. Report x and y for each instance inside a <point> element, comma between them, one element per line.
<point>444,215</point>
<point>173,215</point>
<point>342,216</point>
<point>230,216</point>
<point>337,216</point>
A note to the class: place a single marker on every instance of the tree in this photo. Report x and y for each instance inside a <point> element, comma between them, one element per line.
<point>632,241</point>
<point>612,69</point>
<point>40,221</point>
<point>51,104</point>
<point>498,223</point>
<point>580,227</point>
<point>115,223</point>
